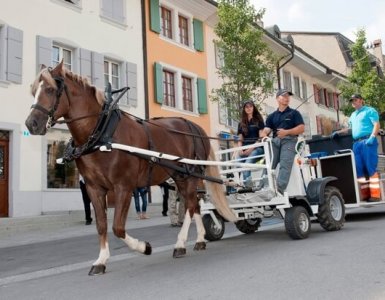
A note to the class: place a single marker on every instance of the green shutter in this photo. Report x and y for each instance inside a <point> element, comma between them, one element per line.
<point>158,83</point>
<point>198,35</point>
<point>154,16</point>
<point>202,96</point>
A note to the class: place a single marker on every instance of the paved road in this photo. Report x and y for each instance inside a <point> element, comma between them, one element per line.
<point>348,264</point>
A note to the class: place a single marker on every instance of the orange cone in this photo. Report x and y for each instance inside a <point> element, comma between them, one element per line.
<point>374,186</point>
<point>363,186</point>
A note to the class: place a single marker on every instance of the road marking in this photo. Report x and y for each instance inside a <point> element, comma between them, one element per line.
<point>115,258</point>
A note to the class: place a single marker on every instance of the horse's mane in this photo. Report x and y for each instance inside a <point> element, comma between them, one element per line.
<point>83,81</point>
<point>78,79</point>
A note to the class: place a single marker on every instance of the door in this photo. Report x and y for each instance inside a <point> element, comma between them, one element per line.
<point>4,147</point>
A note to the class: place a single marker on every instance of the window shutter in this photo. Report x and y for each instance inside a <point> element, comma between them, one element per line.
<point>154,16</point>
<point>85,63</point>
<point>14,55</point>
<point>97,70</point>
<point>158,82</point>
<point>198,35</point>
<point>315,92</point>
<point>44,52</point>
<point>107,8</point>
<point>118,11</point>
<point>202,96</point>
<point>131,77</point>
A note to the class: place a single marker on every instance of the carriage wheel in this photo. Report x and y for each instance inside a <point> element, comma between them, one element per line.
<point>213,232</point>
<point>297,222</point>
<point>248,226</point>
<point>331,213</point>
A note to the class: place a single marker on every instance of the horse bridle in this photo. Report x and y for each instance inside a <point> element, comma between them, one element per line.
<point>60,87</point>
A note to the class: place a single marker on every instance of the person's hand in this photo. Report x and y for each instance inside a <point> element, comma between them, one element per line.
<point>334,135</point>
<point>370,140</point>
<point>281,132</point>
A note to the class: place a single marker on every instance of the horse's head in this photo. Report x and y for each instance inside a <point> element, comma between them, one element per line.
<point>51,101</point>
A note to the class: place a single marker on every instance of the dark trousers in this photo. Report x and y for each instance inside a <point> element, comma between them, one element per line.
<point>86,201</point>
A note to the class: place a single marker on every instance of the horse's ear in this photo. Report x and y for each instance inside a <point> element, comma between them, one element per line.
<point>43,66</point>
<point>60,68</point>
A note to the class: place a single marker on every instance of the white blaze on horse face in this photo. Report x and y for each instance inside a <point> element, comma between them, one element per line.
<point>38,91</point>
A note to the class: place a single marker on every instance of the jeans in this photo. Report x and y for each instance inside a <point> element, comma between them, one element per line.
<point>366,158</point>
<point>251,160</point>
<point>143,195</point>
<point>284,153</point>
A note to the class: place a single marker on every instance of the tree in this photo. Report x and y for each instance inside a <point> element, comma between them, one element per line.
<point>364,78</point>
<point>248,64</point>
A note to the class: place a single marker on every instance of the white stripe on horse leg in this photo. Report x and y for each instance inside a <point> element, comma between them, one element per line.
<point>200,228</point>
<point>182,236</point>
<point>134,244</point>
<point>104,255</point>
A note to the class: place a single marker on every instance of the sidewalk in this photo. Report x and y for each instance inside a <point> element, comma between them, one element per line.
<point>26,230</point>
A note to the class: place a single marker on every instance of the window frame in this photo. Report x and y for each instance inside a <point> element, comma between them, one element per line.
<point>62,48</point>
<point>175,13</point>
<point>187,93</point>
<point>169,88</point>
<point>287,82</point>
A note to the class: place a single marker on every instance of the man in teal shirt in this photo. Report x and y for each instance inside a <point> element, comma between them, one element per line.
<point>364,123</point>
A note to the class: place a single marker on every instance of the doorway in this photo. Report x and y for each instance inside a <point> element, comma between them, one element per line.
<point>4,168</point>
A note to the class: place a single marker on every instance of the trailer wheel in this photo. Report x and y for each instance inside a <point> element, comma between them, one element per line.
<point>331,213</point>
<point>248,226</point>
<point>213,232</point>
<point>297,222</point>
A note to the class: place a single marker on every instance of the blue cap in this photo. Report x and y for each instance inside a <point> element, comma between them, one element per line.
<point>281,92</point>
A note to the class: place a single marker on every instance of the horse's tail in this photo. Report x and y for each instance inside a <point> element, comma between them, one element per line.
<point>217,195</point>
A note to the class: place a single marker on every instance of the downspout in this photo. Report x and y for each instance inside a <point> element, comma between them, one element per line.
<point>291,44</point>
<point>145,67</point>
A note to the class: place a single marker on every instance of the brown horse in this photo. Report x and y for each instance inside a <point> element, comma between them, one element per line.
<point>60,93</point>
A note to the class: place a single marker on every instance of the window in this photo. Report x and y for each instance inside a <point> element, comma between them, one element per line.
<point>114,10</point>
<point>304,90</point>
<point>59,53</point>
<point>219,57</point>
<point>230,121</point>
<point>297,88</point>
<point>111,74</point>
<point>287,80</point>
<point>179,89</point>
<point>187,94</point>
<point>59,176</point>
<point>183,31</point>
<point>11,54</point>
<point>168,88</point>
<point>176,25</point>
<point>166,22</point>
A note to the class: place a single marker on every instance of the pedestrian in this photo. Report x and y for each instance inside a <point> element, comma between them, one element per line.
<point>365,125</point>
<point>249,131</point>
<point>141,211</point>
<point>176,205</point>
<point>286,124</point>
<point>165,187</point>
<point>86,200</point>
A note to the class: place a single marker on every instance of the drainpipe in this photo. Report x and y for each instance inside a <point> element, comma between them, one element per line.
<point>145,67</point>
<point>290,41</point>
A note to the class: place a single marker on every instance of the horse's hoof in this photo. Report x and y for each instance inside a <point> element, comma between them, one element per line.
<point>97,270</point>
<point>179,252</point>
<point>200,246</point>
<point>148,249</point>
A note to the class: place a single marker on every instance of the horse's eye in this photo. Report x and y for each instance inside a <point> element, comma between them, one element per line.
<point>50,90</point>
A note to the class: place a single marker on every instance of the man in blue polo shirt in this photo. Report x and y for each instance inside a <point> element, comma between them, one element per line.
<point>364,123</point>
<point>286,124</point>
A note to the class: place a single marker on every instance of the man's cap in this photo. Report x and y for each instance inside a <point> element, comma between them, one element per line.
<point>355,96</point>
<point>249,101</point>
<point>281,92</point>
